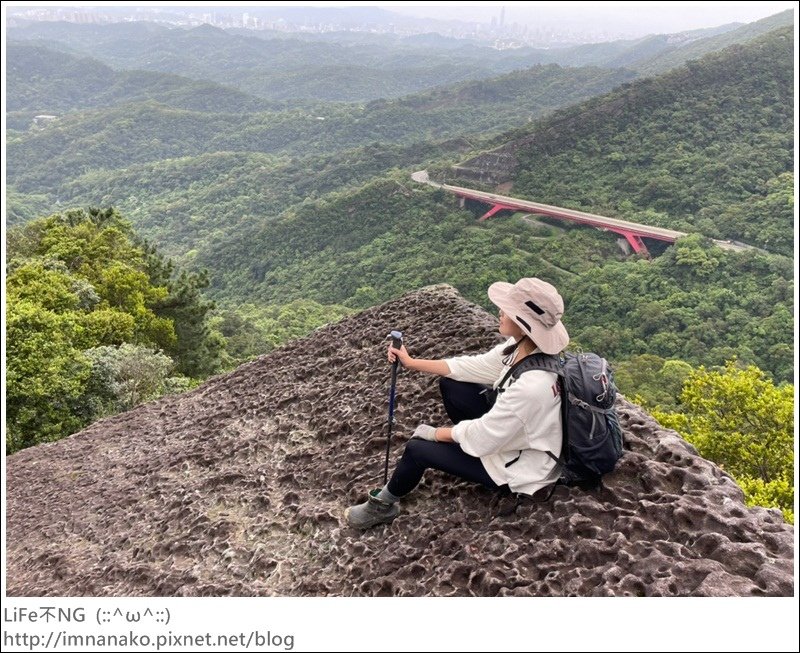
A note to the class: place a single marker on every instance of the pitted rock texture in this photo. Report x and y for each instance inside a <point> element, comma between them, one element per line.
<point>238,488</point>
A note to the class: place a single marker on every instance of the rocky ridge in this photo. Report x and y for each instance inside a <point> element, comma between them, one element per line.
<point>238,488</point>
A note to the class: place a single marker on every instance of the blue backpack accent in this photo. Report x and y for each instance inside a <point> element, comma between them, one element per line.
<point>592,435</point>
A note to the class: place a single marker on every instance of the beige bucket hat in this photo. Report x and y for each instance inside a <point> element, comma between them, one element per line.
<point>536,307</point>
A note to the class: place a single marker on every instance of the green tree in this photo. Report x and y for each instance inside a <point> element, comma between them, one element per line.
<point>243,338</point>
<point>742,421</point>
<point>45,375</point>
<point>86,323</point>
<point>652,381</point>
<point>90,260</point>
<point>128,375</point>
<point>198,348</point>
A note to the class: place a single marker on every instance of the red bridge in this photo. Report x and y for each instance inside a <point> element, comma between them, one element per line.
<point>633,232</point>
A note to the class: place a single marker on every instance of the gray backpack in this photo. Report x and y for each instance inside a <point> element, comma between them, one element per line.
<point>592,435</point>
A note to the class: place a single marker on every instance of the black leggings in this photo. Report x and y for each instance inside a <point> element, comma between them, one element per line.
<point>461,401</point>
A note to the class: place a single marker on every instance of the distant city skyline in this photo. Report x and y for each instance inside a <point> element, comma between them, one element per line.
<point>622,18</point>
<point>527,22</point>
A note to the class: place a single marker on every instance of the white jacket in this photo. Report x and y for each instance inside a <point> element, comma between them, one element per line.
<point>524,423</point>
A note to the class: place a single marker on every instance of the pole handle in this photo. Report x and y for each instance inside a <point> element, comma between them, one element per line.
<point>397,339</point>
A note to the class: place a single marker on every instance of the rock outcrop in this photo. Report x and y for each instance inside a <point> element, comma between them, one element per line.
<point>238,488</point>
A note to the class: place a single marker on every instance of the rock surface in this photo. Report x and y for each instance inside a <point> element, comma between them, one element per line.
<point>238,488</point>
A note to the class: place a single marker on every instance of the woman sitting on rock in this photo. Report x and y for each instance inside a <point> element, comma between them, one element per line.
<point>503,445</point>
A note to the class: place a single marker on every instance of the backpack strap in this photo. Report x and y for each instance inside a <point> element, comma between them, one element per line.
<point>549,363</point>
<point>537,361</point>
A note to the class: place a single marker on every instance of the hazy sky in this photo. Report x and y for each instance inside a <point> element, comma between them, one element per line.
<point>633,18</point>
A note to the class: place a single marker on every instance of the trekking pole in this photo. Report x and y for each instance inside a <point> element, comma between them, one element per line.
<point>397,342</point>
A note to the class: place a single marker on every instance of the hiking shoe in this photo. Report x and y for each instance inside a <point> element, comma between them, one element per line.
<point>371,513</point>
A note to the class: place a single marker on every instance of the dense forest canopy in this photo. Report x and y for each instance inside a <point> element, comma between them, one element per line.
<point>679,149</point>
<point>93,317</point>
<point>79,144</point>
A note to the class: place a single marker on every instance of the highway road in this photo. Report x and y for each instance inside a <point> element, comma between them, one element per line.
<point>598,221</point>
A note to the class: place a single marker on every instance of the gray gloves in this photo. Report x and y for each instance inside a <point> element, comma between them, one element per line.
<point>425,432</point>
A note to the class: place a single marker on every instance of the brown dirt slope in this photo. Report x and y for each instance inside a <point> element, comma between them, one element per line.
<point>238,487</point>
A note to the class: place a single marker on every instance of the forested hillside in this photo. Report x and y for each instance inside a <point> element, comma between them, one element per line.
<point>44,81</point>
<point>86,157</point>
<point>709,139</point>
<point>189,204</point>
<point>147,131</point>
<point>275,67</point>
<point>695,302</point>
<point>712,138</point>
